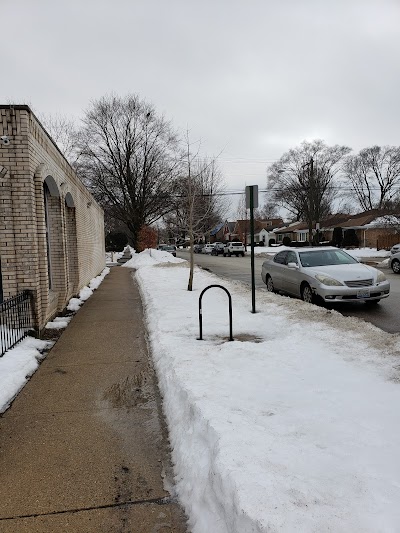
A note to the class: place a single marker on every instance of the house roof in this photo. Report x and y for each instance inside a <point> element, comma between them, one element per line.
<point>217,228</point>
<point>230,226</point>
<point>243,226</point>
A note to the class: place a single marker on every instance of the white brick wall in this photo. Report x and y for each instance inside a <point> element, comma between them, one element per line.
<point>77,234</point>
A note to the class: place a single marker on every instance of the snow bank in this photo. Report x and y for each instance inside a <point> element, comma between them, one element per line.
<point>75,303</point>
<point>17,365</point>
<point>293,426</point>
<point>151,257</point>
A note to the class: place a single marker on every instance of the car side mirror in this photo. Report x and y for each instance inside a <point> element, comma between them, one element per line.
<point>293,265</point>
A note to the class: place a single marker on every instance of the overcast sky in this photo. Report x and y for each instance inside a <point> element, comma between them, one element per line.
<point>250,78</point>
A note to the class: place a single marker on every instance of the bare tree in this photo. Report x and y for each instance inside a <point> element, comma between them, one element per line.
<point>130,159</point>
<point>302,180</point>
<point>269,209</point>
<point>200,205</point>
<point>374,176</point>
<point>64,133</point>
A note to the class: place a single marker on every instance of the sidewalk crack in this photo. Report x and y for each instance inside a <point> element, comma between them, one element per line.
<point>158,501</point>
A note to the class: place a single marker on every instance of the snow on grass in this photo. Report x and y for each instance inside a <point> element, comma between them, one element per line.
<point>293,426</point>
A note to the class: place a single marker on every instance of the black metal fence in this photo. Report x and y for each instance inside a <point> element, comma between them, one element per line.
<point>16,320</point>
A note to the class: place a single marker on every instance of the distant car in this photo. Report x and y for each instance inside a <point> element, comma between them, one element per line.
<point>326,274</point>
<point>167,248</point>
<point>395,249</point>
<point>234,248</point>
<point>394,262</point>
<point>218,248</point>
<point>197,248</point>
<point>208,248</point>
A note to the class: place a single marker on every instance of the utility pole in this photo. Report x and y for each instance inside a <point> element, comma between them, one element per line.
<point>311,192</point>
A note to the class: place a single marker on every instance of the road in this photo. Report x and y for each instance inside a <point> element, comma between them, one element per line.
<point>385,316</point>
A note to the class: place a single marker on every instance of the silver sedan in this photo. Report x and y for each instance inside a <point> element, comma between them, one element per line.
<point>325,273</point>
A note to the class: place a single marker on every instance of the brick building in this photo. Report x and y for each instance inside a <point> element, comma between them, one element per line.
<point>51,228</point>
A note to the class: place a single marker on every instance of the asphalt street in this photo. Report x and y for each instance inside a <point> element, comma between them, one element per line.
<point>386,315</point>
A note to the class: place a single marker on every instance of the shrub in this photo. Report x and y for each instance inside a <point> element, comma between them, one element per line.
<point>116,241</point>
<point>286,241</point>
<point>350,238</point>
<point>337,237</point>
<point>271,242</point>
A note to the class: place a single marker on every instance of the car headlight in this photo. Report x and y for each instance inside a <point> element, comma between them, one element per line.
<point>327,280</point>
<point>381,277</point>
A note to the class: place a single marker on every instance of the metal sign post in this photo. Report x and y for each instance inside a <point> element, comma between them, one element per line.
<point>252,203</point>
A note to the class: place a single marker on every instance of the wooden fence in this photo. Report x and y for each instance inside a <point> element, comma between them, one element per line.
<point>385,242</point>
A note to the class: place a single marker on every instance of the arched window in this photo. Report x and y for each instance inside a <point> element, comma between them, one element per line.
<point>1,285</point>
<point>46,197</point>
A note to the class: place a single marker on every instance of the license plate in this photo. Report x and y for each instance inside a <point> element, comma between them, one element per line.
<point>363,293</point>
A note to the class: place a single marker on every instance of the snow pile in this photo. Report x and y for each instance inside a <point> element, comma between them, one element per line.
<point>293,426</point>
<point>17,365</point>
<point>59,322</point>
<point>151,257</point>
<point>75,303</point>
<point>367,252</point>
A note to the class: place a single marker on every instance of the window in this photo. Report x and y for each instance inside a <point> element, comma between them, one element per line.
<point>302,236</point>
<point>46,197</point>
<point>291,258</point>
<point>326,257</point>
<point>280,257</point>
<point>1,285</point>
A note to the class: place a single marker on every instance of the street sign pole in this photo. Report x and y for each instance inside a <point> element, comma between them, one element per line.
<point>253,285</point>
<point>252,202</point>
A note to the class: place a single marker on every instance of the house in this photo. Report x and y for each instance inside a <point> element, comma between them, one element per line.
<point>51,228</point>
<point>370,227</point>
<point>374,226</point>
<point>263,230</point>
<point>225,231</point>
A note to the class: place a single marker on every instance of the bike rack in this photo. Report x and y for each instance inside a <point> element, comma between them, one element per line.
<point>201,311</point>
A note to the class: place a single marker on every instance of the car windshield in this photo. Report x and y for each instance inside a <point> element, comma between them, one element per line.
<point>169,248</point>
<point>325,257</point>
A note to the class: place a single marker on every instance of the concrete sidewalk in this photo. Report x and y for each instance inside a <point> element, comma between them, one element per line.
<point>83,448</point>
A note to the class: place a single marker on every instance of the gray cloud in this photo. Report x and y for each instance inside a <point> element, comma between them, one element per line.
<point>250,78</point>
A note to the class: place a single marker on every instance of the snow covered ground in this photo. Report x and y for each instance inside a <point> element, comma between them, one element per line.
<point>293,426</point>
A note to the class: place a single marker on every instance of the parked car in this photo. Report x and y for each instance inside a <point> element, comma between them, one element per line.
<point>208,248</point>
<point>233,248</point>
<point>395,249</point>
<point>197,248</point>
<point>218,248</point>
<point>394,262</point>
<point>167,248</point>
<point>328,274</point>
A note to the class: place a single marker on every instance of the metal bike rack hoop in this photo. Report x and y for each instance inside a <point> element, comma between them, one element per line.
<point>201,310</point>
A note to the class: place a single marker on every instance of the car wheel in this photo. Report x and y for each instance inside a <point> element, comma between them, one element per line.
<point>224,254</point>
<point>396,266</point>
<point>229,254</point>
<point>270,284</point>
<point>242,254</point>
<point>307,294</point>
